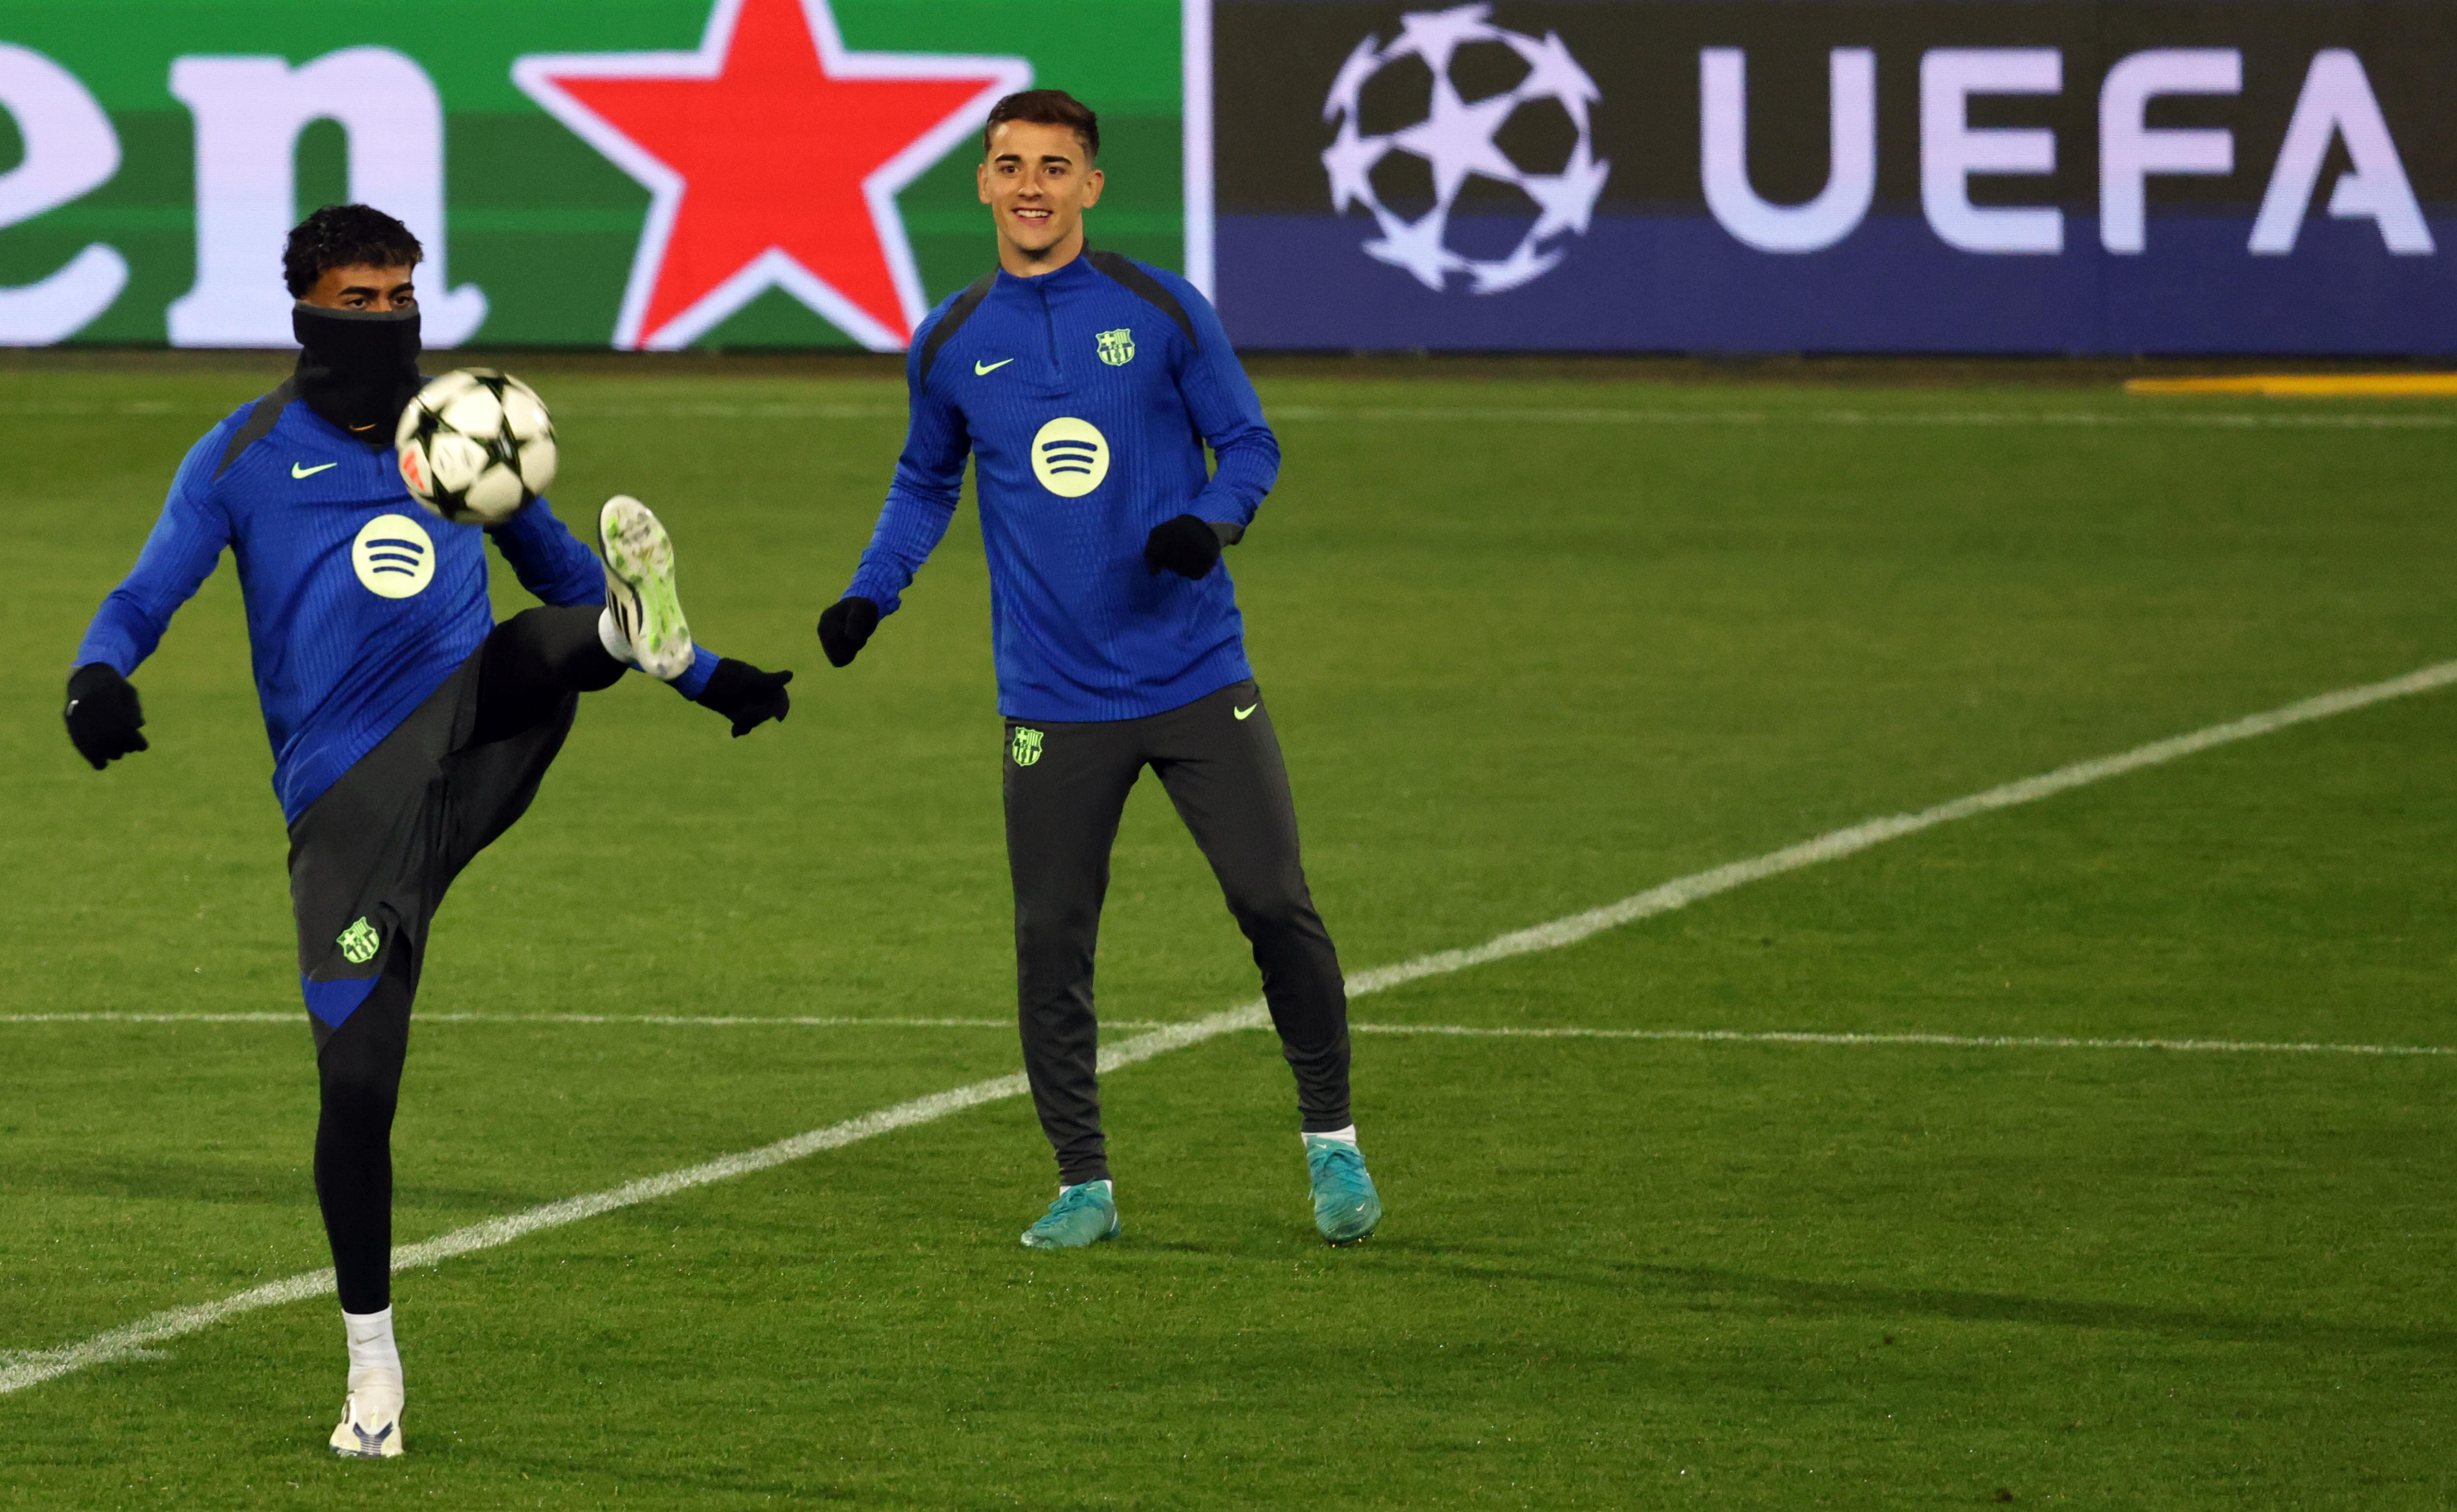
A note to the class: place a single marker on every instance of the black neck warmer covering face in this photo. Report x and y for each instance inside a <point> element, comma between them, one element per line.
<point>356,368</point>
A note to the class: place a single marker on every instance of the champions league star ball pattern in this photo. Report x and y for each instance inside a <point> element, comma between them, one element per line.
<point>1460,139</point>
<point>475,445</point>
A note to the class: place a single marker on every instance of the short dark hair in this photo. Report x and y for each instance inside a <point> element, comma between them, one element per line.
<point>343,237</point>
<point>1047,108</point>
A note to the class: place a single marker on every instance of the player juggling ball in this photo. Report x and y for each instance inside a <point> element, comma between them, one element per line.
<point>409,729</point>
<point>1086,385</point>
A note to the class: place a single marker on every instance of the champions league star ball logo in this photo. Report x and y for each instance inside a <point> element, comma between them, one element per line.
<point>1520,152</point>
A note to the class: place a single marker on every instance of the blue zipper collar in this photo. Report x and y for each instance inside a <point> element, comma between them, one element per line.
<point>1074,272</point>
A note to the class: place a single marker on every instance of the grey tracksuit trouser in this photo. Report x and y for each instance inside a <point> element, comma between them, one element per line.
<point>1066,788</point>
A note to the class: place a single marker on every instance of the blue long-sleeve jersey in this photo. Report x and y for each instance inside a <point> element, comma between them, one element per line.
<point>1086,397</point>
<point>360,603</point>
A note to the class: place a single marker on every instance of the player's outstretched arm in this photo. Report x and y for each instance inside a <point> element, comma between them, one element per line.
<point>909,528</point>
<point>1229,415</point>
<point>921,503</point>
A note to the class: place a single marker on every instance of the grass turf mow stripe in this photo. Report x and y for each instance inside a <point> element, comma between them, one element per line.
<point>1993,1042</point>
<point>23,1369</point>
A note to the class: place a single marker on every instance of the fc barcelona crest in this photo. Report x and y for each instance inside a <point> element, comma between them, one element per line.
<point>1117,347</point>
<point>358,943</point>
<point>1026,747</point>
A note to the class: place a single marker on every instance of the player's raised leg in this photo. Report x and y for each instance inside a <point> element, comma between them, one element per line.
<point>1065,787</point>
<point>537,661</point>
<point>1221,762</point>
<point>542,656</point>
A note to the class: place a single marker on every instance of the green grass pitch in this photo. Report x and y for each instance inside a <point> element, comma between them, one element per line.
<point>1535,643</point>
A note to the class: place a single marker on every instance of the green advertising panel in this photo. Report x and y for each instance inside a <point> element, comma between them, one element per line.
<point>586,173</point>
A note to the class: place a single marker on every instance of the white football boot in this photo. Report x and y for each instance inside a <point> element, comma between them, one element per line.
<point>640,589</point>
<point>370,1427</point>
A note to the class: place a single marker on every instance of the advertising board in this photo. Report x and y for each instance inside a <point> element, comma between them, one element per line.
<point>586,173</point>
<point>1920,176</point>
<point>1950,175</point>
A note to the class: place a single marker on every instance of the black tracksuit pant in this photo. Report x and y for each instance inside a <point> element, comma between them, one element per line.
<point>1066,787</point>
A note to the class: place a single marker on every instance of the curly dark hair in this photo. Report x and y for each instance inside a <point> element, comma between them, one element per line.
<point>1047,108</point>
<point>342,236</point>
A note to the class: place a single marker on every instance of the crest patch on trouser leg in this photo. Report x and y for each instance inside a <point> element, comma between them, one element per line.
<point>358,943</point>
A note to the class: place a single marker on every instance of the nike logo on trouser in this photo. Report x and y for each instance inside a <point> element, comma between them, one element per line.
<point>1243,713</point>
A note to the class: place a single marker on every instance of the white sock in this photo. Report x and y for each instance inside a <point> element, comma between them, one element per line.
<point>1066,1187</point>
<point>372,1350</point>
<point>1346,1136</point>
<point>612,638</point>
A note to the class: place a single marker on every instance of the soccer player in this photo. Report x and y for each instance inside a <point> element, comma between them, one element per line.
<point>1086,385</point>
<point>408,728</point>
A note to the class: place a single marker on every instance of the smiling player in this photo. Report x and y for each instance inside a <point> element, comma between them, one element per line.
<point>1087,386</point>
<point>409,729</point>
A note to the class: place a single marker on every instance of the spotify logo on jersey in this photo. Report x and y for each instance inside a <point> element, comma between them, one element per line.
<point>394,557</point>
<point>1070,457</point>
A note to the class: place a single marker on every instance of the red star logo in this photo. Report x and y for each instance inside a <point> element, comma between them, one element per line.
<point>773,158</point>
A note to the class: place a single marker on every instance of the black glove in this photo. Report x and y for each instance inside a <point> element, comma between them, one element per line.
<point>845,628</point>
<point>1186,546</point>
<point>746,695</point>
<point>103,715</point>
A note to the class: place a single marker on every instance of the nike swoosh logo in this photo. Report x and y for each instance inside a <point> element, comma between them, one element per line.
<point>297,471</point>
<point>978,369</point>
<point>1243,713</point>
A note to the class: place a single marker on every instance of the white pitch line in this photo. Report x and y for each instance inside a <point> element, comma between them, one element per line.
<point>150,1018</point>
<point>1975,1042</point>
<point>2021,1042</point>
<point>1609,415</point>
<point>1605,414</point>
<point>32,1367</point>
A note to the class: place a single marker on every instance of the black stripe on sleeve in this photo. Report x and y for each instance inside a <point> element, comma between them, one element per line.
<point>1145,288</point>
<point>957,315</point>
<point>260,421</point>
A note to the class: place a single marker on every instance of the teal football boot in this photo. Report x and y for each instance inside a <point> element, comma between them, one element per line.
<point>1345,1207</point>
<point>1085,1214</point>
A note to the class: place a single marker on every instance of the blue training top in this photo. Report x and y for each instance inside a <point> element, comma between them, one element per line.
<point>1087,396</point>
<point>360,602</point>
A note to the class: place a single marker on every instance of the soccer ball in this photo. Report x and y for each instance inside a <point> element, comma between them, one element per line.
<point>475,445</point>
<point>1504,148</point>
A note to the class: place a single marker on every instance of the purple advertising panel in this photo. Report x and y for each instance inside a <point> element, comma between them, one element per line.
<point>1926,175</point>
